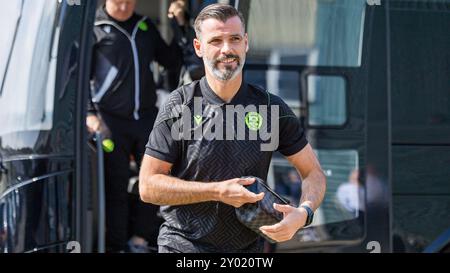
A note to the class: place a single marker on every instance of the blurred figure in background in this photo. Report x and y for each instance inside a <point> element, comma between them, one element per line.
<point>350,195</point>
<point>123,97</point>
<point>184,34</point>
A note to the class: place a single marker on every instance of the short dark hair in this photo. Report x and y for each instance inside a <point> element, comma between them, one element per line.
<point>221,12</point>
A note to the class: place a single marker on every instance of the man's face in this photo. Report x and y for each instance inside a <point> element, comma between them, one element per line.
<point>121,10</point>
<point>223,47</point>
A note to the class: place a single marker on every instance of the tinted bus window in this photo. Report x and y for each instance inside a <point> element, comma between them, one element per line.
<point>28,86</point>
<point>285,84</point>
<point>326,100</point>
<point>9,19</point>
<point>309,52</point>
<point>308,32</point>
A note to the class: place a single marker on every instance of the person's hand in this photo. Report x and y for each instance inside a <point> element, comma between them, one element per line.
<point>176,10</point>
<point>233,192</point>
<point>92,123</point>
<point>293,219</point>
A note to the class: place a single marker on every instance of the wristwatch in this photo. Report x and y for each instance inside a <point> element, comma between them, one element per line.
<point>310,216</point>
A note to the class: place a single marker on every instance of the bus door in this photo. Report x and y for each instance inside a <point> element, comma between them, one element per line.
<point>315,55</point>
<point>44,70</point>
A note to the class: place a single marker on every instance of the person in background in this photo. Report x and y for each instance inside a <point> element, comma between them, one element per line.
<point>184,33</point>
<point>123,98</point>
<point>350,195</point>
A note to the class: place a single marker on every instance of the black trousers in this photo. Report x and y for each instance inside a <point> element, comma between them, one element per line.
<point>130,138</point>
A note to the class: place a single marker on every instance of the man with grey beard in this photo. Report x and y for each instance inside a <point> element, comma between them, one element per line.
<point>197,181</point>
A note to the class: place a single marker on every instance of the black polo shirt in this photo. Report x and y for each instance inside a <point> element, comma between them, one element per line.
<point>213,226</point>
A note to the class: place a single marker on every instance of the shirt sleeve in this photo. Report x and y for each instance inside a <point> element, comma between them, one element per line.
<point>161,144</point>
<point>292,134</point>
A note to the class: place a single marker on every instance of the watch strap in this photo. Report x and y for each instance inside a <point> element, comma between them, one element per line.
<point>310,214</point>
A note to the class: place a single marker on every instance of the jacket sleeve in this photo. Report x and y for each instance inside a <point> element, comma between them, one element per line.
<point>184,37</point>
<point>169,56</point>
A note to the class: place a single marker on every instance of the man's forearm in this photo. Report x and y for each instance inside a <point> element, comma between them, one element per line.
<point>160,189</point>
<point>313,189</point>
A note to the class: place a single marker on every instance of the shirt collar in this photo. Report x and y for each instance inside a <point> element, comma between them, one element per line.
<point>213,98</point>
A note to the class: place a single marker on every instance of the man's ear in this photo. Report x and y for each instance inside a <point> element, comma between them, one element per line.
<point>198,47</point>
<point>246,43</point>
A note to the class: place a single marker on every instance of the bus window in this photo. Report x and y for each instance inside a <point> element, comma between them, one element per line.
<point>326,100</point>
<point>9,18</point>
<point>344,200</point>
<point>29,80</point>
<point>306,32</point>
<point>310,53</point>
<point>281,83</point>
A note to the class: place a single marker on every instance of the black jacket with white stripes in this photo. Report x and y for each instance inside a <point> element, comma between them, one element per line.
<point>122,82</point>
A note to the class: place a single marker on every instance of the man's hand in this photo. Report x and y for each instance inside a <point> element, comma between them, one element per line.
<point>293,220</point>
<point>92,123</point>
<point>176,10</point>
<point>233,192</point>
